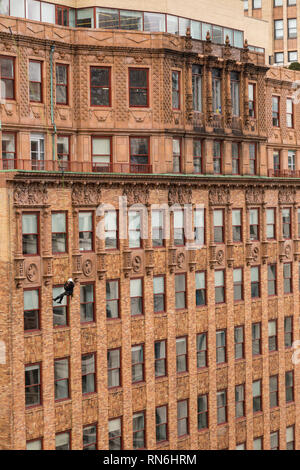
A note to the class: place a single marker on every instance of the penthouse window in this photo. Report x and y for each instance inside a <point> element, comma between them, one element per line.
<point>107,18</point>
<point>31,310</point>
<point>30,234</point>
<point>139,154</point>
<point>139,88</point>
<point>62,84</point>
<point>114,368</point>
<point>251,98</point>
<point>9,154</point>
<point>86,231</point>
<point>278,29</point>
<point>61,379</point>
<point>89,434</point>
<point>161,415</point>
<point>32,385</point>
<point>59,232</point>
<point>100,86</point>
<point>129,20</point>
<point>85,18</point>
<point>235,93</point>
<point>7,71</point>
<point>88,369</point>
<point>175,89</point>
<point>62,15</point>
<point>112,299</point>
<point>137,363</point>
<point>115,434</point>
<point>292,28</point>
<point>197,87</point>
<point>216,91</point>
<point>275,111</point>
<point>101,153</point>
<point>35,81</point>
<point>60,311</point>
<point>87,303</point>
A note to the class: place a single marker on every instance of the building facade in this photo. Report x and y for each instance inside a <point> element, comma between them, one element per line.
<point>162,346</point>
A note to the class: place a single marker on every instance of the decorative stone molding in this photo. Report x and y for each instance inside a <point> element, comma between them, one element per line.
<point>33,194</point>
<point>230,258</point>
<point>77,265</point>
<point>127,265</point>
<point>254,195</point>
<point>136,263</point>
<point>212,256</point>
<point>87,267</point>
<point>219,195</point>
<point>86,194</point>
<point>102,268</point>
<point>149,261</point>
<point>172,262</point>
<point>32,272</point>
<point>136,194</point>
<point>286,195</point>
<point>47,269</point>
<point>192,260</point>
<point>179,195</point>
<point>19,271</point>
<point>265,255</point>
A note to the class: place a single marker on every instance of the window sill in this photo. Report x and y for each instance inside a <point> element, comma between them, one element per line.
<point>87,324</point>
<point>33,333</point>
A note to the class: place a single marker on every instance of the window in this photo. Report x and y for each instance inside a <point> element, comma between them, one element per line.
<point>289,113</point>
<point>197,154</point>
<point>31,310</point>
<point>85,18</point>
<point>289,386</point>
<point>237,225</point>
<point>200,280</point>
<point>114,368</point>
<point>255,282</point>
<point>256,339</point>
<point>290,438</point>
<point>240,401</point>
<point>175,89</point>
<point>9,154</point>
<point>279,58</point>
<point>256,4</point>
<point>218,226</point>
<point>278,29</point>
<point>274,441</point>
<point>272,279</point>
<point>37,444</point>
<point>48,12</point>
<point>258,443</point>
<point>87,303</point>
<point>235,149</point>
<point>178,217</point>
<point>89,435</point>
<point>221,346</point>
<point>62,84</point>
<point>291,2</point>
<point>157,218</point>
<point>222,407</point>
<point>86,232</point>
<point>181,355</point>
<point>288,332</point>
<point>7,71</point>
<point>216,91</point>
<point>159,293</point>
<point>37,151</point>
<point>273,391</point>
<point>201,350</point>
<point>130,20</point>
<point>238,284</point>
<point>239,342</point>
<point>235,93</point>
<point>219,286</point>
<point>291,160</point>
<point>217,157</point>
<point>138,88</point>
<point>63,151</point>
<point>246,6</point>
<point>202,412</point>
<point>271,232</point>
<point>287,278</point>
<point>59,232</point>
<point>154,22</point>
<point>111,230</point>
<point>30,234</point>
<point>199,227</point>
<point>252,159</point>
<point>136,297</point>
<point>35,81</point>
<point>182,418</point>
<point>292,28</point>
<point>292,56</point>
<point>108,18</point>
<point>278,3</point>
<point>161,418</point>
<point>176,155</point>
<point>254,224</point>
<point>139,154</point>
<point>180,291</point>
<point>101,154</point>
<point>17,8</point>
<point>100,86</point>
<point>197,87</point>
<point>276,161</point>
<point>62,441</point>
<point>115,434</point>
<point>32,385</point>
<point>256,392</point>
<point>61,379</point>
<point>137,363</point>
<point>275,111</point>
<point>62,16</point>
<point>252,99</point>
<point>286,223</point>
<point>112,299</point>
<point>160,358</point>
<point>241,446</point>
<point>60,310</point>
<point>88,368</point>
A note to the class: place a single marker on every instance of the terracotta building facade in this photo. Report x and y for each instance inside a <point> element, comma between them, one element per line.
<point>162,346</point>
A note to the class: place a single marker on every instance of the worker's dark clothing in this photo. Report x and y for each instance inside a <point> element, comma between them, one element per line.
<point>68,286</point>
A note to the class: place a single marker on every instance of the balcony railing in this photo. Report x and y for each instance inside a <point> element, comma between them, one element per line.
<point>63,166</point>
<point>284,173</point>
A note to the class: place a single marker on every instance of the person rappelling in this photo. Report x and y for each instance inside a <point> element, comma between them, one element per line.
<point>68,291</point>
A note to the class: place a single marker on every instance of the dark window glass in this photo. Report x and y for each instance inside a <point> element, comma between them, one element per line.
<point>138,87</point>
<point>112,299</point>
<point>32,385</point>
<point>88,373</point>
<point>100,86</point>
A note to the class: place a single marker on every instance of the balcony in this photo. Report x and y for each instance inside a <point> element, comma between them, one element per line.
<point>78,167</point>
<point>284,173</point>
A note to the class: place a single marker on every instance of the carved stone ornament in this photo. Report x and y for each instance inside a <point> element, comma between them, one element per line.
<point>33,194</point>
<point>87,267</point>
<point>136,194</point>
<point>254,195</point>
<point>179,195</point>
<point>180,260</point>
<point>255,253</point>
<point>286,195</point>
<point>32,273</point>
<point>219,195</point>
<point>136,263</point>
<point>220,256</point>
<point>84,195</point>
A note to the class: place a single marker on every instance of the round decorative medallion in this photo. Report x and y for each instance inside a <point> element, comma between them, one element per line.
<point>87,267</point>
<point>220,256</point>
<point>180,260</point>
<point>32,273</point>
<point>255,253</point>
<point>287,250</point>
<point>136,263</point>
